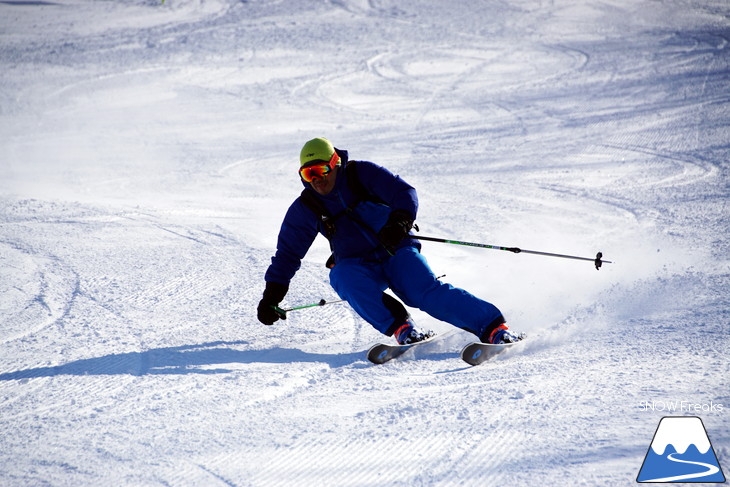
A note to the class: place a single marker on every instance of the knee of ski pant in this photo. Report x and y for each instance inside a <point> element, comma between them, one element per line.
<point>411,278</point>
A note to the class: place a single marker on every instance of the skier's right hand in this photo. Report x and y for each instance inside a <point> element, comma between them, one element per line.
<point>273,294</point>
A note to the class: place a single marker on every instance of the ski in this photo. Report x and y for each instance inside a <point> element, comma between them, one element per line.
<point>477,353</point>
<point>382,352</point>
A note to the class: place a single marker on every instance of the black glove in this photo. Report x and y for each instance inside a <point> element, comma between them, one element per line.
<point>396,228</point>
<point>273,294</point>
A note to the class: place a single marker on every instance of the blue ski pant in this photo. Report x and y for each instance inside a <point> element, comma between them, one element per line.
<point>361,283</point>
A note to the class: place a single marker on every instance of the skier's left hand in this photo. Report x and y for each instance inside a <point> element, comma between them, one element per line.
<point>396,228</point>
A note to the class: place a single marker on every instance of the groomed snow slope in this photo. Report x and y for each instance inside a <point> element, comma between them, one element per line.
<point>149,151</point>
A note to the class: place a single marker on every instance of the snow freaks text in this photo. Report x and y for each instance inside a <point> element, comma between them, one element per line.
<point>681,406</point>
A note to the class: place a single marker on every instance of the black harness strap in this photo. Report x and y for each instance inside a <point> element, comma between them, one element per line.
<point>327,220</point>
<point>356,186</point>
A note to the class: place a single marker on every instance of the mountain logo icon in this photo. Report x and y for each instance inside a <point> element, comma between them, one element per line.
<point>680,452</point>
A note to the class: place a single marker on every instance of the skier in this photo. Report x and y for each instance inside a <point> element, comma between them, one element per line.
<point>367,213</point>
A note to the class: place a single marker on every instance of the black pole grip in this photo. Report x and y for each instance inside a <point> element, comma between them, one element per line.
<point>598,261</point>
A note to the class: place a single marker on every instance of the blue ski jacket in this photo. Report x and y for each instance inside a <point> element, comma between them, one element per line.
<point>357,222</point>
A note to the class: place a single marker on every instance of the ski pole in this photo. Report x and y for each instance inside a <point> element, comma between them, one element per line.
<point>597,261</point>
<point>282,312</point>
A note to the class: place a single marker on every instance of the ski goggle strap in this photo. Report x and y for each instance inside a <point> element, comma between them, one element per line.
<point>318,169</point>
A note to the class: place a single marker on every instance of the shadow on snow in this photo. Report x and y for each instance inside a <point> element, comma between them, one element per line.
<point>187,359</point>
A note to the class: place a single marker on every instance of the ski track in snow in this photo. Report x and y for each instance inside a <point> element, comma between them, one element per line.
<point>147,160</point>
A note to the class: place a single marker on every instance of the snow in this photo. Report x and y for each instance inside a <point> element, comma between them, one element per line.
<point>148,155</point>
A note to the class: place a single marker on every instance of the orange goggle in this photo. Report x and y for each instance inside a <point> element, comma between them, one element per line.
<point>318,169</point>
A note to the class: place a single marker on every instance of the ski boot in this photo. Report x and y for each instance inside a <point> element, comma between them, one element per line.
<point>502,334</point>
<point>407,333</point>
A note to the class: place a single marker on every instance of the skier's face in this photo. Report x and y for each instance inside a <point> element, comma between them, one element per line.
<point>325,184</point>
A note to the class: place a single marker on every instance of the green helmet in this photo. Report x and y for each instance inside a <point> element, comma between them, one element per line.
<point>319,149</point>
